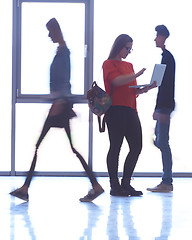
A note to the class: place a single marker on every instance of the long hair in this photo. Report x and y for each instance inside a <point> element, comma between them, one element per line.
<point>119,43</point>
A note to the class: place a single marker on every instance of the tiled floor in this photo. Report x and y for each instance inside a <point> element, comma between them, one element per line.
<point>54,211</point>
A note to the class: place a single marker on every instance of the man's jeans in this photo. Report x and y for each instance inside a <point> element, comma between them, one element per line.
<point>162,142</point>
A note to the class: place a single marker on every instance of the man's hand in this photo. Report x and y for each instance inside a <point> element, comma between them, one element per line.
<point>162,117</point>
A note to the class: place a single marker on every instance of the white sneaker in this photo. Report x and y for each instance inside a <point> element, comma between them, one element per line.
<point>161,188</point>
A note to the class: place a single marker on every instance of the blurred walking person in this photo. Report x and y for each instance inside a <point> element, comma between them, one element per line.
<point>60,112</point>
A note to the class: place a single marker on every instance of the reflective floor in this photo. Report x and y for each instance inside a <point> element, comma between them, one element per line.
<point>54,211</point>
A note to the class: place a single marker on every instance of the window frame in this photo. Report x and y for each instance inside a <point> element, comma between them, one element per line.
<point>88,59</point>
<point>18,97</point>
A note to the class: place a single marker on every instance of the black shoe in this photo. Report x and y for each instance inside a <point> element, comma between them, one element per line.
<point>119,192</point>
<point>132,192</point>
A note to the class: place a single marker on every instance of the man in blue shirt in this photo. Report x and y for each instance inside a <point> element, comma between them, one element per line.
<point>165,104</point>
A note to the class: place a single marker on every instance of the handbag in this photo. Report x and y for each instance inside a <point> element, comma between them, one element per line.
<point>99,102</point>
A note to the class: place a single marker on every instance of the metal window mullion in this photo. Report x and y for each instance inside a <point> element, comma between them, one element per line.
<point>14,72</point>
<point>89,70</point>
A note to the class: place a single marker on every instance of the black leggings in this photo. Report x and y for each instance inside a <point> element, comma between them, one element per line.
<point>123,122</point>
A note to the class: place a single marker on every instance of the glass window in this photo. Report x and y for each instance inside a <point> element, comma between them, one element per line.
<point>136,18</point>
<point>139,19</point>
<point>6,83</point>
<point>54,153</point>
<point>37,50</point>
<point>37,53</point>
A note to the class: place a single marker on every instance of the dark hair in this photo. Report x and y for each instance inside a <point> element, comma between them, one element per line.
<point>119,43</point>
<point>53,23</point>
<point>162,30</point>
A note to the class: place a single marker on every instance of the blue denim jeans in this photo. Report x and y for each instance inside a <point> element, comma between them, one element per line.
<point>162,142</point>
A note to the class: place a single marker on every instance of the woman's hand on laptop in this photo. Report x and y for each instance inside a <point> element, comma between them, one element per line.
<point>153,85</point>
<point>146,89</point>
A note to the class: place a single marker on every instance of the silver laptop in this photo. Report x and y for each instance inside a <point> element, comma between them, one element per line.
<point>158,73</point>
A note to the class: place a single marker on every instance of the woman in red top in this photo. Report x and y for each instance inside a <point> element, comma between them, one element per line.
<point>122,119</point>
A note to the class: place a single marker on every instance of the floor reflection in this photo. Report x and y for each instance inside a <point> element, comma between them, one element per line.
<point>93,214</point>
<point>20,217</point>
<point>135,218</point>
<point>166,211</point>
<point>55,213</point>
<point>120,216</point>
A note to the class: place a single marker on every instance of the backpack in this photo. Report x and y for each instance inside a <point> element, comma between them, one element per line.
<point>99,102</point>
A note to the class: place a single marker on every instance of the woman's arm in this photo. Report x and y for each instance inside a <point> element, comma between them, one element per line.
<point>124,79</point>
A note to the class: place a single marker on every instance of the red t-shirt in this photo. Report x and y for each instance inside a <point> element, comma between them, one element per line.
<point>121,95</point>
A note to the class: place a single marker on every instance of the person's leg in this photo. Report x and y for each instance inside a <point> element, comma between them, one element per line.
<point>116,125</point>
<point>97,189</point>
<point>134,139</point>
<point>46,128</point>
<point>22,192</point>
<point>90,174</point>
<point>162,142</point>
<point>116,141</point>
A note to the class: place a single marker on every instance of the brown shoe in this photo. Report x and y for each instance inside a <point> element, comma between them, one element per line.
<point>92,194</point>
<point>161,188</point>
